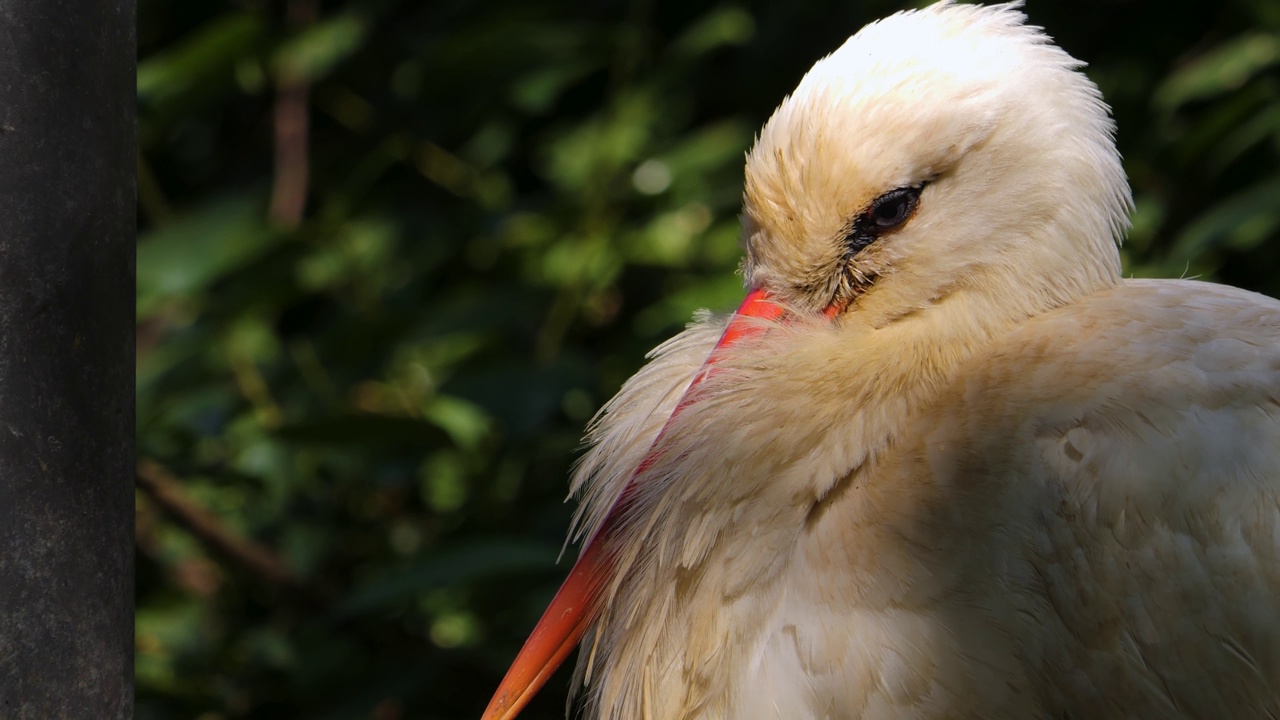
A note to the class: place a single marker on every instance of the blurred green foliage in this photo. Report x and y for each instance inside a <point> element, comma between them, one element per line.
<point>508,204</point>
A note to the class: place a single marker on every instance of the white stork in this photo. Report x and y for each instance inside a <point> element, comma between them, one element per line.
<point>943,462</point>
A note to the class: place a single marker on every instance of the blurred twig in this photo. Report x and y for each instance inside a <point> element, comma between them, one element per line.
<point>289,188</point>
<point>167,492</point>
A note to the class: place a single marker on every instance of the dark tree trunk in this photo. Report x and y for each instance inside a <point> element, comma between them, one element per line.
<point>67,162</point>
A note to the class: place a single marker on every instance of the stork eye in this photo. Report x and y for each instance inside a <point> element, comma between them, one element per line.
<point>886,213</point>
<point>894,208</point>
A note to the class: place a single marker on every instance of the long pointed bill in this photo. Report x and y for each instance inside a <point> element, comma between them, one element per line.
<point>576,605</point>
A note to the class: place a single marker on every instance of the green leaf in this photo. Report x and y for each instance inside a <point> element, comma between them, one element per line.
<point>314,52</point>
<point>210,53</point>
<point>482,560</point>
<point>1225,68</point>
<point>536,92</point>
<point>373,431</point>
<point>718,28</point>
<point>1241,222</point>
<point>185,256</point>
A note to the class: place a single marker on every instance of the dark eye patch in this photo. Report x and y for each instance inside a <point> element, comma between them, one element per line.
<point>886,213</point>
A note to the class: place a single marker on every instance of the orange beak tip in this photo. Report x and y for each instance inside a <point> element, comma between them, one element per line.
<point>563,624</point>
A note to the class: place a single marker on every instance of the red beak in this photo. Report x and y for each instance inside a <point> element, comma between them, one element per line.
<point>576,605</point>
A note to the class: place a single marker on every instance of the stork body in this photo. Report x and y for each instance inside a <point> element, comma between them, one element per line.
<point>1078,518</point>
<point>947,464</point>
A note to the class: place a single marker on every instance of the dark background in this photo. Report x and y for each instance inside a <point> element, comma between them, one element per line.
<point>393,254</point>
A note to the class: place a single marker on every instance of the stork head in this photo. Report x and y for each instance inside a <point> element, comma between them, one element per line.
<point>947,165</point>
<point>940,150</point>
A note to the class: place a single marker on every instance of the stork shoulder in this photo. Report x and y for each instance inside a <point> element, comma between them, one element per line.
<point>1132,443</point>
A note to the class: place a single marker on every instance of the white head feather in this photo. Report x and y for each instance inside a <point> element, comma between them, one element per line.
<point>1024,181</point>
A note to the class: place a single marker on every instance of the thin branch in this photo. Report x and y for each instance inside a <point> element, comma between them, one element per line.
<point>167,492</point>
<point>292,163</point>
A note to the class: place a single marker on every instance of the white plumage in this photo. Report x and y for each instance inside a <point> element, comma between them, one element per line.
<point>970,472</point>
